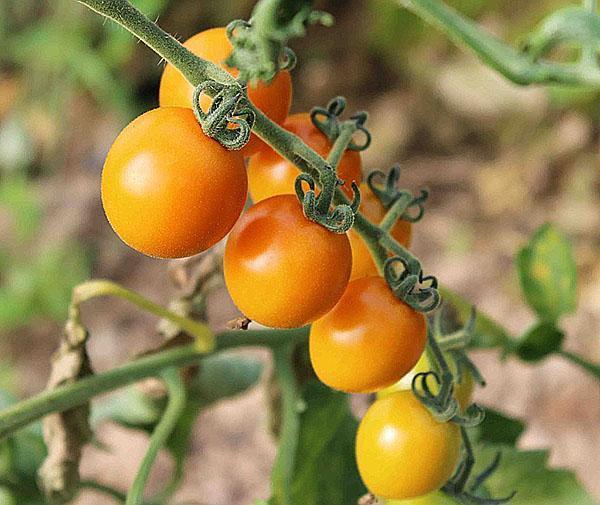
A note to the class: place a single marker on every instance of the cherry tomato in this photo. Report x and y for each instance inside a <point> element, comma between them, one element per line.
<point>462,391</point>
<point>368,341</point>
<point>269,174</point>
<point>281,269</point>
<point>168,190</point>
<point>272,99</point>
<point>372,208</point>
<point>402,451</point>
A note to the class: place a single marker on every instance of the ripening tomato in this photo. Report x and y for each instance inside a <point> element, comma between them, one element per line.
<point>168,190</point>
<point>368,341</point>
<point>402,451</point>
<point>272,99</point>
<point>462,391</point>
<point>372,208</point>
<point>281,269</point>
<point>269,174</point>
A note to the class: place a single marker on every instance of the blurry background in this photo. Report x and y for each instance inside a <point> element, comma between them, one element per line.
<point>500,160</point>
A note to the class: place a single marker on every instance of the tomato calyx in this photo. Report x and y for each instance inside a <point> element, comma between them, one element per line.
<point>410,285</point>
<point>326,119</point>
<point>443,405</point>
<point>260,49</point>
<point>230,106</point>
<point>403,203</point>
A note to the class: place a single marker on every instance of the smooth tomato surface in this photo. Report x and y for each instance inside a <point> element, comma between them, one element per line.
<point>272,99</point>
<point>437,498</point>
<point>281,269</point>
<point>402,451</point>
<point>269,174</point>
<point>368,341</point>
<point>168,190</point>
<point>372,208</point>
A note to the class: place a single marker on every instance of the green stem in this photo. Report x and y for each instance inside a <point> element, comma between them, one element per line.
<point>395,212</point>
<point>72,395</point>
<point>578,360</point>
<point>283,469</point>
<point>495,53</point>
<point>104,489</point>
<point>163,430</point>
<point>195,69</point>
<point>204,338</point>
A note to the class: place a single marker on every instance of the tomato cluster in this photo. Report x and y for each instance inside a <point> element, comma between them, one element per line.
<point>170,191</point>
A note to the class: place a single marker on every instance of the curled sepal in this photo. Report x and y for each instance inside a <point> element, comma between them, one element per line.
<point>360,118</point>
<point>385,187</point>
<point>410,285</point>
<point>443,406</point>
<point>229,119</point>
<point>338,219</point>
<point>327,118</point>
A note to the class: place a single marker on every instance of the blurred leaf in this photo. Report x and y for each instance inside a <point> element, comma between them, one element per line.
<point>16,146</point>
<point>497,428</point>
<point>539,341</point>
<point>21,201</point>
<point>548,274</point>
<point>528,474</point>
<point>58,270</point>
<point>325,464</point>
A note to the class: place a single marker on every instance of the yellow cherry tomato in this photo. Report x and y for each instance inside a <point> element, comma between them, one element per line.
<point>168,190</point>
<point>402,451</point>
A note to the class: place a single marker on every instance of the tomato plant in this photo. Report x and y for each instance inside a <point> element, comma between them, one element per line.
<point>167,188</point>
<point>368,341</point>
<point>320,271</point>
<point>273,275</point>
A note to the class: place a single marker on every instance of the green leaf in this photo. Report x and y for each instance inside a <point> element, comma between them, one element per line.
<point>497,428</point>
<point>526,472</point>
<point>325,467</point>
<point>548,274</point>
<point>539,341</point>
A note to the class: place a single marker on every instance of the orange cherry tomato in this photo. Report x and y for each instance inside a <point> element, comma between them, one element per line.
<point>281,269</point>
<point>372,208</point>
<point>402,451</point>
<point>272,99</point>
<point>269,174</point>
<point>368,341</point>
<point>168,190</point>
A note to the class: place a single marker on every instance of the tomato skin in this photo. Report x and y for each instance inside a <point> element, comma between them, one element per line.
<point>436,498</point>
<point>168,190</point>
<point>273,99</point>
<point>402,451</point>
<point>269,174</point>
<point>368,341</point>
<point>372,208</point>
<point>281,269</point>
<point>462,391</point>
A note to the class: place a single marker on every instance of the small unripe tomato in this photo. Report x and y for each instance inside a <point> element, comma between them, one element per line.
<point>402,451</point>
<point>368,341</point>
<point>168,190</point>
<point>281,269</point>
<point>272,99</point>
<point>463,391</point>
<point>269,174</point>
<point>372,208</point>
